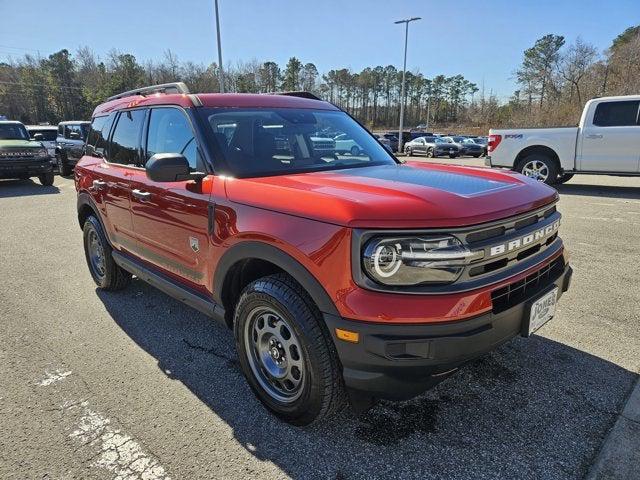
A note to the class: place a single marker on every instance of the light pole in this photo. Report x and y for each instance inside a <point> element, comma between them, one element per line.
<point>404,70</point>
<point>220,71</point>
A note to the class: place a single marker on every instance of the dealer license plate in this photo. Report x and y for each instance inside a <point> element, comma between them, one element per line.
<point>542,310</point>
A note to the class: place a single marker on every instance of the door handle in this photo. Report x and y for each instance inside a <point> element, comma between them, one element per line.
<point>139,194</point>
<point>99,184</point>
<point>595,135</point>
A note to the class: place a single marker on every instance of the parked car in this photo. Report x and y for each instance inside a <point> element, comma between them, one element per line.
<point>606,142</point>
<point>472,148</point>
<point>45,134</point>
<point>342,278</point>
<point>458,142</point>
<point>393,140</point>
<point>70,140</point>
<point>482,141</point>
<point>431,147</point>
<point>21,157</point>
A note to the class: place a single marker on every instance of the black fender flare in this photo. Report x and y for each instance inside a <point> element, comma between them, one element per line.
<point>269,253</point>
<point>85,200</point>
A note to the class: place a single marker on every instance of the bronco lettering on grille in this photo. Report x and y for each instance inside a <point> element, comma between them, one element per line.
<point>517,243</point>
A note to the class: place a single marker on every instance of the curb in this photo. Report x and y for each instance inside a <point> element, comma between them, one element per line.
<point>619,457</point>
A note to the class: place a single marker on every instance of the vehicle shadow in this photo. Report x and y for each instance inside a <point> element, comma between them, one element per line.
<point>24,188</point>
<point>599,190</point>
<point>534,408</point>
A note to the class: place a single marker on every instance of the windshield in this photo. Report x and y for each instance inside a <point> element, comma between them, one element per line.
<point>47,135</point>
<point>263,142</point>
<point>459,139</point>
<point>13,131</point>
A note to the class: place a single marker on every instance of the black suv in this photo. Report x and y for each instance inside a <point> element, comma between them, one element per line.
<point>71,138</point>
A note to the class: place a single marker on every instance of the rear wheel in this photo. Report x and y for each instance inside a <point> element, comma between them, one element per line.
<point>107,274</point>
<point>46,179</point>
<point>355,150</point>
<point>430,152</point>
<point>408,151</point>
<point>285,352</point>
<point>453,155</point>
<point>476,155</point>
<point>539,167</point>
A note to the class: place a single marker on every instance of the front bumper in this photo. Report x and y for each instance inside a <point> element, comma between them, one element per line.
<point>10,168</point>
<point>401,361</point>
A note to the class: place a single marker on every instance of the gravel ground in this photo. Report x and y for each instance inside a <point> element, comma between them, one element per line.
<point>110,385</point>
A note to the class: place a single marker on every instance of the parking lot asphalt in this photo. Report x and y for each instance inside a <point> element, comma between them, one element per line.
<point>136,385</point>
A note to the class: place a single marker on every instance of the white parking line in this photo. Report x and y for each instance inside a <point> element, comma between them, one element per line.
<point>51,378</point>
<point>119,453</point>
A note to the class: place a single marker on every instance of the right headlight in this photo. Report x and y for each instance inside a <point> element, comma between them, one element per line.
<point>410,261</point>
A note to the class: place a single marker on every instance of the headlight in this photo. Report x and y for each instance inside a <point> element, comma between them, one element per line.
<point>416,260</point>
<point>42,152</point>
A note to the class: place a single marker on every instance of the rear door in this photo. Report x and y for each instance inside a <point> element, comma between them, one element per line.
<point>114,178</point>
<point>171,219</point>
<point>610,139</point>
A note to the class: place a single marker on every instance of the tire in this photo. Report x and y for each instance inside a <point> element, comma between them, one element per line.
<point>105,271</point>
<point>453,155</point>
<point>408,151</point>
<point>63,168</point>
<point>46,179</point>
<point>476,155</point>
<point>355,150</point>
<point>269,309</point>
<point>430,153</point>
<point>540,167</point>
<point>565,177</point>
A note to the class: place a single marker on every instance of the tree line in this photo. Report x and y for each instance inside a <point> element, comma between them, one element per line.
<point>554,81</point>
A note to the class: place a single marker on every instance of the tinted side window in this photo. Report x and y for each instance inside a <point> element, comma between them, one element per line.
<point>98,135</point>
<point>616,114</point>
<point>95,130</point>
<point>60,130</point>
<point>170,132</point>
<point>125,144</point>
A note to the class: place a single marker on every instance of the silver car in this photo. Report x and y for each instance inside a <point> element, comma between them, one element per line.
<point>431,147</point>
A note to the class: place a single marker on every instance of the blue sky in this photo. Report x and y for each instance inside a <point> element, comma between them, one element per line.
<point>483,40</point>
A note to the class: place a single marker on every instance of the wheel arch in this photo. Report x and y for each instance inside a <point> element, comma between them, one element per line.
<point>249,260</point>
<point>541,149</point>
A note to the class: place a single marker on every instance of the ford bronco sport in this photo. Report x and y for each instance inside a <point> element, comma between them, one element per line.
<point>21,157</point>
<point>343,276</point>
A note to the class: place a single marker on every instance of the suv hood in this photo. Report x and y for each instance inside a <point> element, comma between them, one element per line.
<point>411,195</point>
<point>19,144</point>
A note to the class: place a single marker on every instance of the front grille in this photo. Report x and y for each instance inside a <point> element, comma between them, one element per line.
<point>515,293</point>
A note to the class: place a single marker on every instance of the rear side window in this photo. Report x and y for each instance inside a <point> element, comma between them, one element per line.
<point>99,135</point>
<point>170,132</point>
<point>616,114</point>
<point>125,143</point>
<point>47,135</point>
<point>78,129</point>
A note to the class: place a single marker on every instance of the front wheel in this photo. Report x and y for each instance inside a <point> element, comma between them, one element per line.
<point>453,155</point>
<point>46,179</point>
<point>408,151</point>
<point>285,352</point>
<point>476,155</point>
<point>565,177</point>
<point>539,167</point>
<point>63,168</point>
<point>430,153</point>
<point>355,150</point>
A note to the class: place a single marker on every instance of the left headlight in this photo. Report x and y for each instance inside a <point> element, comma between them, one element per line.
<point>408,261</point>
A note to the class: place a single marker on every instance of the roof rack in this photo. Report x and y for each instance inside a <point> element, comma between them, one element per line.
<point>301,94</point>
<point>174,87</point>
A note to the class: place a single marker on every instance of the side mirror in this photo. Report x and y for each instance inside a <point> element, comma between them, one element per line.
<point>38,137</point>
<point>170,167</point>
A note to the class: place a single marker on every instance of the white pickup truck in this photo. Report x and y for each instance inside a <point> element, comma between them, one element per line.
<point>607,141</point>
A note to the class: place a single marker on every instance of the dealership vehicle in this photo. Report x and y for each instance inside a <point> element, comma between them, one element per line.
<point>386,143</point>
<point>393,140</point>
<point>344,144</point>
<point>483,142</point>
<point>431,147</point>
<point>45,134</point>
<point>458,141</point>
<point>342,276</point>
<point>21,157</point>
<point>471,147</point>
<point>70,139</point>
<point>605,142</point>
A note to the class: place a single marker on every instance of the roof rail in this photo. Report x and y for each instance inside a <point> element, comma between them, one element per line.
<point>174,87</point>
<point>301,94</point>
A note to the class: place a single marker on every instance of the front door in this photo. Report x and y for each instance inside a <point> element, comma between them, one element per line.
<point>171,219</point>
<point>611,141</point>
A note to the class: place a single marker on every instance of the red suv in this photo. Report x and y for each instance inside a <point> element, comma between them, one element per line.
<point>344,276</point>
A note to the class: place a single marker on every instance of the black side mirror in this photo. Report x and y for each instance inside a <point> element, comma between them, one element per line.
<point>170,167</point>
<point>38,137</point>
